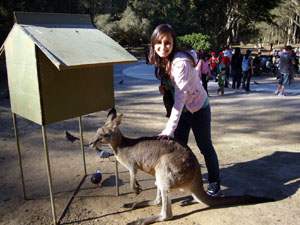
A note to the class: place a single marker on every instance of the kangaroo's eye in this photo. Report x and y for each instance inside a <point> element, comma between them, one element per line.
<point>106,135</point>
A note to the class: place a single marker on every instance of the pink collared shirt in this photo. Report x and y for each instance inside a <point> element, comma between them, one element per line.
<point>188,90</point>
<point>203,67</point>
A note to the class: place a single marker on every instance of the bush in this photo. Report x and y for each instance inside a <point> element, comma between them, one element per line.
<point>106,24</point>
<point>196,41</point>
<point>129,29</point>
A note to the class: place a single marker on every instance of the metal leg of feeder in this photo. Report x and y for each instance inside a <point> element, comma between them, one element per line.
<point>19,154</point>
<point>82,146</point>
<point>117,179</point>
<point>82,180</point>
<point>49,175</point>
<point>71,199</point>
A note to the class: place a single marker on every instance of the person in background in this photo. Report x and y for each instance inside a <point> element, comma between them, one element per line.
<point>236,66</point>
<point>199,53</point>
<point>193,53</point>
<point>276,64</point>
<point>228,52</point>
<point>256,64</point>
<point>247,68</point>
<point>221,81</point>
<point>285,69</point>
<point>213,65</point>
<point>273,52</point>
<point>220,57</point>
<point>263,63</point>
<point>225,63</point>
<point>204,71</point>
<point>269,65</point>
<point>191,109</point>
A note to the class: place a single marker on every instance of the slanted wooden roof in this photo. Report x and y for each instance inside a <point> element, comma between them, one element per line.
<point>71,40</point>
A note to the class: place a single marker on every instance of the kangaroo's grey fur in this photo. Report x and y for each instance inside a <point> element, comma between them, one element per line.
<point>173,164</point>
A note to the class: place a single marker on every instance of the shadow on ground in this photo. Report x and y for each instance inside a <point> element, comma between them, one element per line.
<point>275,176</point>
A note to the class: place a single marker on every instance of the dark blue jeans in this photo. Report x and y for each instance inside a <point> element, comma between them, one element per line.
<point>236,77</point>
<point>246,80</point>
<point>200,124</point>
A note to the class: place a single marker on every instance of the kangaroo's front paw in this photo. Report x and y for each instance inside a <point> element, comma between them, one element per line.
<point>137,189</point>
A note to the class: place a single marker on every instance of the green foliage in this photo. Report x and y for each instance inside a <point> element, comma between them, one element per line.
<point>195,41</point>
<point>181,14</point>
<point>130,29</point>
<point>134,27</point>
<point>7,8</point>
<point>249,34</point>
<point>106,24</point>
<point>225,20</point>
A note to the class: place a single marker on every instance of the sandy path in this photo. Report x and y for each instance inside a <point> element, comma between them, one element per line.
<point>256,136</point>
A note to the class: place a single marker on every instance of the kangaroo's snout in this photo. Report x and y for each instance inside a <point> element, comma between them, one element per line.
<point>93,142</point>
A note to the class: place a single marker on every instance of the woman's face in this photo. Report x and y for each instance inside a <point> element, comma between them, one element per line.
<point>164,45</point>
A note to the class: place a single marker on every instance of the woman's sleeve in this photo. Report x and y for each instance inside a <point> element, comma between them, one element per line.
<point>180,73</point>
<point>200,65</point>
<point>208,70</point>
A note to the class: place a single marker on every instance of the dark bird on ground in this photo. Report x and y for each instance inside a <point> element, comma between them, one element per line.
<point>121,81</point>
<point>104,154</point>
<point>70,137</point>
<point>96,177</point>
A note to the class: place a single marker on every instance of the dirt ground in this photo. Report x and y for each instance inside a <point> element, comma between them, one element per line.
<point>256,136</point>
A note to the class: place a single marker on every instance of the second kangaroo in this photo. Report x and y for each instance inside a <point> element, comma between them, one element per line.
<point>173,164</point>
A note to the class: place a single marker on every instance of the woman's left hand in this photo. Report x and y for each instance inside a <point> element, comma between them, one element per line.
<point>163,137</point>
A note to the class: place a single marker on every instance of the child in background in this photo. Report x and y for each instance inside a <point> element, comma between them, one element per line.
<point>221,81</point>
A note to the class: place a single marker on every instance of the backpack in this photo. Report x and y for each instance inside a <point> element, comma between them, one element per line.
<point>246,64</point>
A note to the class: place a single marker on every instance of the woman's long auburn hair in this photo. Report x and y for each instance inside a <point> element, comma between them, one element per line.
<point>154,58</point>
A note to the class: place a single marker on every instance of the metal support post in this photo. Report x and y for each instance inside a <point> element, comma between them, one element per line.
<point>117,179</point>
<point>82,146</point>
<point>49,175</point>
<point>19,154</point>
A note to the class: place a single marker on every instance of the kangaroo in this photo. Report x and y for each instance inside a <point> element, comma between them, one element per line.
<point>172,163</point>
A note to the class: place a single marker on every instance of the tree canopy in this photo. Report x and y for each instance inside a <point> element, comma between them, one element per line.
<point>285,26</point>
<point>130,21</point>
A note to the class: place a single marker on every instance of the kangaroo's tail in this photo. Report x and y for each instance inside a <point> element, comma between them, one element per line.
<point>200,195</point>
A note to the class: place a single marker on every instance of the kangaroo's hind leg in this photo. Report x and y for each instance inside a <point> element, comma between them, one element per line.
<point>166,210</point>
<point>142,204</point>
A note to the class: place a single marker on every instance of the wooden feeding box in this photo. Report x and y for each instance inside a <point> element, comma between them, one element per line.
<point>59,67</point>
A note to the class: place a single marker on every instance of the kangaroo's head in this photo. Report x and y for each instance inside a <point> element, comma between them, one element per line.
<point>109,133</point>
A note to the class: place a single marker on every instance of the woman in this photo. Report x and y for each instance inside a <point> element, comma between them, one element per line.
<point>204,71</point>
<point>191,108</point>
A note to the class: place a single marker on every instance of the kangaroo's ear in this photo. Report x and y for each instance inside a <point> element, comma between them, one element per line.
<point>112,114</point>
<point>116,122</point>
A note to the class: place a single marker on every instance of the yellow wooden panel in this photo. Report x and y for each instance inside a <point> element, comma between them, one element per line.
<point>71,93</point>
<point>22,76</point>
